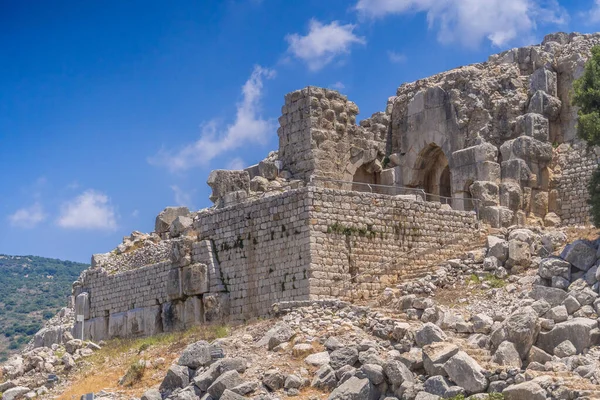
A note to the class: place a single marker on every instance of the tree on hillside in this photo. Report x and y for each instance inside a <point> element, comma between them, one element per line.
<point>587,98</point>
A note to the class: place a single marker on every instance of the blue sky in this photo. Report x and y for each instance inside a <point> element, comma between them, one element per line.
<point>111,111</point>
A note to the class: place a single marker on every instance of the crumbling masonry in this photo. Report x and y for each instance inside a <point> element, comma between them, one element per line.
<point>491,143</point>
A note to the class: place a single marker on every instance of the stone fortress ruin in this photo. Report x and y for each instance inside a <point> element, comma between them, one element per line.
<point>343,210</point>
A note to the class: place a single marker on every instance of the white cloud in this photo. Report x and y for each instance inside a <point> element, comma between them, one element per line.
<point>248,127</point>
<point>594,14</point>
<point>89,210</point>
<point>28,217</point>
<point>182,198</point>
<point>236,164</point>
<point>338,86</point>
<point>396,58</point>
<point>135,213</point>
<point>470,21</point>
<point>323,43</point>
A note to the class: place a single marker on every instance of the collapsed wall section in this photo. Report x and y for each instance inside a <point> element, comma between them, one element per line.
<point>362,243</point>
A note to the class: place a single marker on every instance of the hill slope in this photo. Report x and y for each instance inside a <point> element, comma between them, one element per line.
<point>32,289</point>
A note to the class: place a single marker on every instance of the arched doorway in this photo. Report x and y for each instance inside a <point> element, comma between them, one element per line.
<point>435,176</point>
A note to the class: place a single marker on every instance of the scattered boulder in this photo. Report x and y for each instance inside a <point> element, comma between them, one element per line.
<point>466,373</point>
<point>521,328</point>
<point>435,355</point>
<point>343,356</point>
<point>429,333</point>
<point>353,389</point>
<point>524,391</point>
<point>15,393</point>
<point>580,253</point>
<point>565,349</point>
<point>196,355</point>
<point>273,379</point>
<point>228,380</point>
<point>507,355</point>
<point>166,217</point>
<point>280,334</point>
<point>576,330</point>
<point>177,377</point>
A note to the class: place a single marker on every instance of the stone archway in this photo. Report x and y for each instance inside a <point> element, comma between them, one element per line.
<point>434,172</point>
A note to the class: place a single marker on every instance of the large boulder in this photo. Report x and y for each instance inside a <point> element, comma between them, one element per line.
<point>466,373</point>
<point>166,217</point>
<point>352,389</point>
<point>519,253</point>
<point>497,247</point>
<point>524,391</point>
<point>397,373</point>
<point>553,296</point>
<point>429,333</point>
<point>177,377</point>
<point>343,356</point>
<point>228,380</point>
<point>507,355</point>
<point>196,355</point>
<point>435,355</point>
<point>580,253</point>
<point>521,328</point>
<point>577,331</point>
<point>224,182</point>
<point>281,333</point>
<point>15,393</point>
<point>554,266</point>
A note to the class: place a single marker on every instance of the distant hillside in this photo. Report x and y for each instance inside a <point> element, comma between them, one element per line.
<point>32,290</point>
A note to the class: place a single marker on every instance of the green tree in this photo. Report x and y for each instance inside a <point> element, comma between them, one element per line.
<point>587,98</point>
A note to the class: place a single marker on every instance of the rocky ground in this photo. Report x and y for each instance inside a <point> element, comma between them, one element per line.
<point>517,319</point>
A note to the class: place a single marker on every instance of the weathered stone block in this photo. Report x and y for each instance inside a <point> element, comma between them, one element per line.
<point>167,216</point>
<point>195,279</point>
<point>117,325</point>
<point>174,284</point>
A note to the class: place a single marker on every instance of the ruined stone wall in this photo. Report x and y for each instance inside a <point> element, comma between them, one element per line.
<point>262,251</point>
<point>318,135</point>
<point>576,165</point>
<point>362,242</point>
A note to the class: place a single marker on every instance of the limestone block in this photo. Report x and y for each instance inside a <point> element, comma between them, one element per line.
<point>533,125</point>
<point>179,225</point>
<point>259,184</point>
<point>417,104</point>
<point>216,306</point>
<point>486,192</point>
<point>545,80</point>
<point>96,329</point>
<point>518,171</point>
<point>539,206</point>
<point>135,322</point>
<point>167,216</point>
<point>526,148</point>
<point>268,169</point>
<point>511,195</point>
<point>152,320</point>
<point>435,97</point>
<point>117,325</point>
<point>174,284</point>
<point>82,305</point>
<point>172,316</point>
<point>195,279</point>
<point>252,171</point>
<point>193,312</point>
<point>475,154</point>
<point>545,104</point>
<point>223,182</point>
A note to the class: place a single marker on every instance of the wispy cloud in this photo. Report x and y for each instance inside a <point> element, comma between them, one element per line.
<point>323,43</point>
<point>337,86</point>
<point>28,217</point>
<point>396,58</point>
<point>236,164</point>
<point>594,14</point>
<point>182,198</point>
<point>470,21</point>
<point>89,210</point>
<point>248,127</point>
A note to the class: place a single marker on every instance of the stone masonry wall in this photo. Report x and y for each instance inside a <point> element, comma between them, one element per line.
<point>577,163</point>
<point>262,251</point>
<point>363,242</point>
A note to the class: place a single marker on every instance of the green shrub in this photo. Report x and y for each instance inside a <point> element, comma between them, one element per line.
<point>134,374</point>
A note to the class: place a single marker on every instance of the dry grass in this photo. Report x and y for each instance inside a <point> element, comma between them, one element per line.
<point>103,369</point>
<point>575,232</point>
